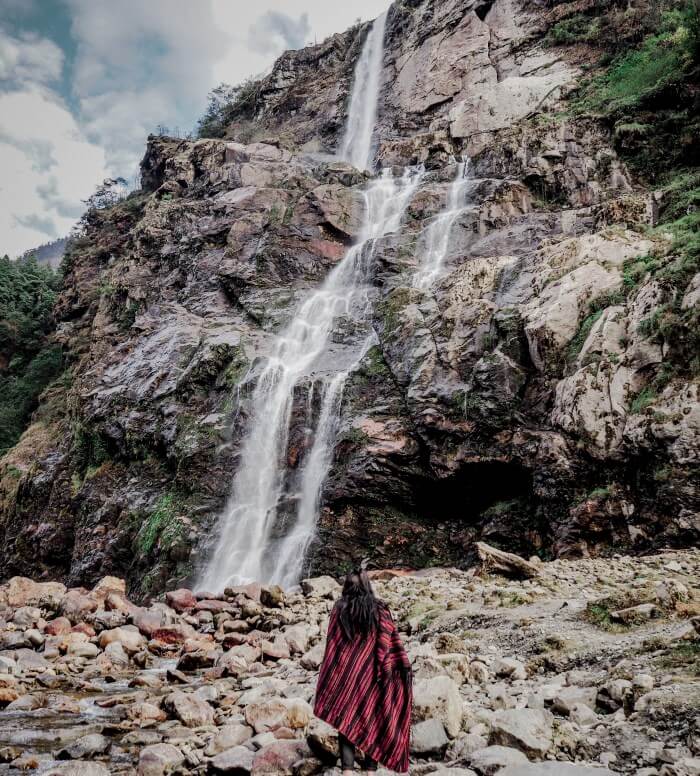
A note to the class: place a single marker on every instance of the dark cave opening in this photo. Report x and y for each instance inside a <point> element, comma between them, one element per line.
<point>477,487</point>
<point>482,9</point>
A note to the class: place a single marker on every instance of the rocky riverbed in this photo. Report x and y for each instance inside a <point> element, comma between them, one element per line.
<point>594,662</point>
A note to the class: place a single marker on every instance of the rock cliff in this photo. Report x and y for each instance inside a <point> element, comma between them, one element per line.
<point>542,394</point>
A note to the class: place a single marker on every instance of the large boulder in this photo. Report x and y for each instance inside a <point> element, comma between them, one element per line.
<point>554,769</point>
<point>438,698</point>
<point>428,738</point>
<point>529,730</point>
<point>159,760</point>
<point>278,759</point>
<point>491,759</point>
<point>189,709</point>
<point>22,591</point>
<point>238,759</point>
<point>320,587</point>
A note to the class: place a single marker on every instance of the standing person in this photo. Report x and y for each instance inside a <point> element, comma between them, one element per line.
<point>364,687</point>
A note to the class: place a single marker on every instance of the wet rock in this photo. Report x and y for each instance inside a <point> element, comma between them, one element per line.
<point>529,730</point>
<point>76,604</point>
<point>159,760</point>
<point>58,626</point>
<point>92,745</point>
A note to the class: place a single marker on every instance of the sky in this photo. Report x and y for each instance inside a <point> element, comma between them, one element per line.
<point>83,82</point>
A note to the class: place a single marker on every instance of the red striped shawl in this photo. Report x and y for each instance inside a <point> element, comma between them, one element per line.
<point>364,690</point>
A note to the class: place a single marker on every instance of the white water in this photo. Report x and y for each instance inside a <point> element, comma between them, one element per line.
<point>437,235</point>
<point>362,115</point>
<point>252,545</point>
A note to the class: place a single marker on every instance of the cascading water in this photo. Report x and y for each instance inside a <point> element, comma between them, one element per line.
<point>437,235</point>
<point>362,115</point>
<point>248,548</point>
<point>258,539</point>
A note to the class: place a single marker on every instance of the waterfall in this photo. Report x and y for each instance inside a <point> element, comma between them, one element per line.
<point>362,115</point>
<point>254,543</point>
<point>437,235</point>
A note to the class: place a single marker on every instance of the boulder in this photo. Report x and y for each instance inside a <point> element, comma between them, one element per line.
<point>312,659</point>
<point>189,709</point>
<point>25,592</point>
<point>438,698</point>
<point>529,730</point>
<point>181,600</point>
<point>320,587</point>
<point>238,759</point>
<point>271,596</point>
<point>128,636</point>
<point>228,737</point>
<point>428,738</point>
<point>159,760</point>
<point>323,739</point>
<point>87,746</point>
<point>76,604</point>
<point>278,759</point>
<point>492,759</point>
<point>77,768</point>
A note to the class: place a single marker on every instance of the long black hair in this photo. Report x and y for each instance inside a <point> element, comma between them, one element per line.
<point>358,606</point>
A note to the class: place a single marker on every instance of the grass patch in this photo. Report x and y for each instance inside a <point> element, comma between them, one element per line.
<point>682,656</point>
<point>160,523</point>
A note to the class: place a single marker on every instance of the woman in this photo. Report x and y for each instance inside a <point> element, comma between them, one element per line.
<point>364,688</point>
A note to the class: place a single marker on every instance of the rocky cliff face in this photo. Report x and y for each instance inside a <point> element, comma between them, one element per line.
<point>532,396</point>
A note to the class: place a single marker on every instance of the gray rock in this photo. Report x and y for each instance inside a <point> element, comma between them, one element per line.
<point>239,759</point>
<point>438,698</point>
<point>87,746</point>
<point>428,738</point>
<point>159,760</point>
<point>529,730</point>
<point>492,759</point>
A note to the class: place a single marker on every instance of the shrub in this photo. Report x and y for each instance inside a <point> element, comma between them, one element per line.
<point>226,103</point>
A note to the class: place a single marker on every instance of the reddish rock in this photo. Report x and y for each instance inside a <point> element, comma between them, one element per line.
<point>84,627</point>
<point>77,603</point>
<point>148,622</point>
<point>279,758</point>
<point>182,600</point>
<point>58,627</point>
<point>251,591</point>
<point>174,634</point>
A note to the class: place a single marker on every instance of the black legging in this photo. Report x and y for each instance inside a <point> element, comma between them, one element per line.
<point>347,755</point>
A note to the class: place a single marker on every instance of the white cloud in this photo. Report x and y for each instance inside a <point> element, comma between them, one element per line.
<point>274,28</point>
<point>48,168</point>
<point>28,58</point>
<point>139,65</point>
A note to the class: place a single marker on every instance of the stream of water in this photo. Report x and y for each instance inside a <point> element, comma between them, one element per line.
<point>437,235</point>
<point>261,536</point>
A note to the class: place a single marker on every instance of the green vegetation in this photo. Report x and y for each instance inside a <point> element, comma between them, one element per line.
<point>161,523</point>
<point>685,657</point>
<point>227,103</point>
<point>575,29</point>
<point>28,361</point>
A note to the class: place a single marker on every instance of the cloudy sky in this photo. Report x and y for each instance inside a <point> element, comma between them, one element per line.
<point>82,82</point>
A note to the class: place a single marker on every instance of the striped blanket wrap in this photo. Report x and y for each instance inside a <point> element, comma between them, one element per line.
<point>364,690</point>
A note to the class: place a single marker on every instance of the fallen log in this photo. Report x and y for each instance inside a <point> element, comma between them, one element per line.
<point>499,562</point>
